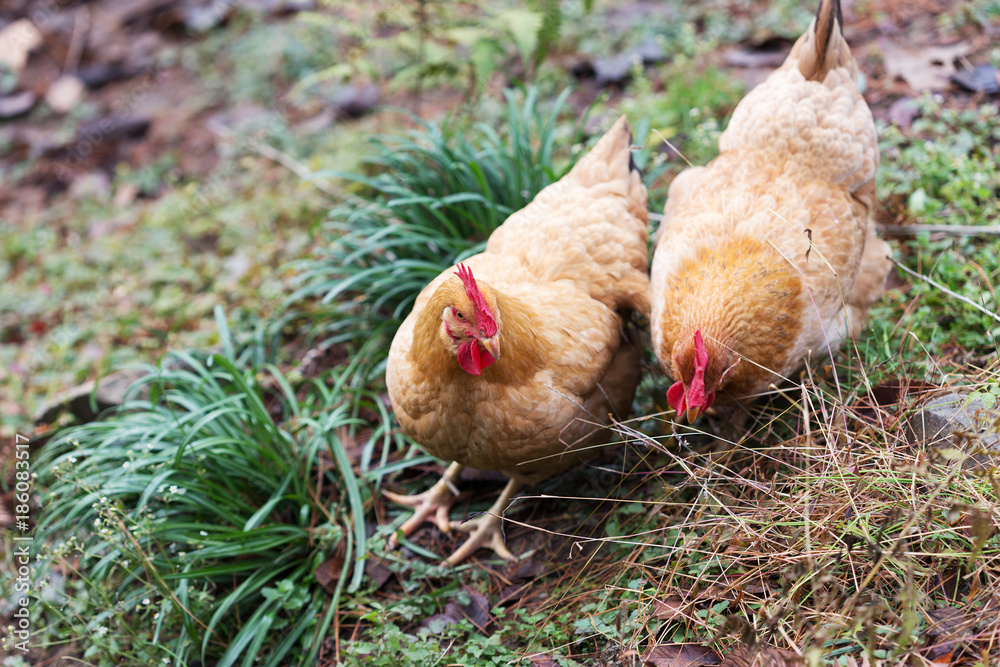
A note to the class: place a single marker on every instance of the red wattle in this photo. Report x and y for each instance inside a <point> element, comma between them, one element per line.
<point>675,397</point>
<point>473,358</point>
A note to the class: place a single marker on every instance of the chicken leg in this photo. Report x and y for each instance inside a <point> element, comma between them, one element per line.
<point>437,500</point>
<point>486,530</point>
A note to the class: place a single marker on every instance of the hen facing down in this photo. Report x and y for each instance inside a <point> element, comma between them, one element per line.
<point>768,254</point>
<point>512,361</point>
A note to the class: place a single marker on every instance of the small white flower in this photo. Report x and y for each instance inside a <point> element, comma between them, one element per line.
<point>173,488</point>
<point>103,630</point>
<point>149,445</point>
<point>204,533</point>
<point>694,112</point>
<point>126,464</point>
<point>124,563</point>
<point>72,459</point>
<point>146,601</point>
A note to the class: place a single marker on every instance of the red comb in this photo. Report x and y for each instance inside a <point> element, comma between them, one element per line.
<point>696,391</point>
<point>483,313</point>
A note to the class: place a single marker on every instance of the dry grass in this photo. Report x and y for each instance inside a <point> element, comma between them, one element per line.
<point>821,529</point>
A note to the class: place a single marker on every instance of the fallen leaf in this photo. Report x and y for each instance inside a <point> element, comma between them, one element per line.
<point>671,607</point>
<point>328,573</point>
<point>541,660</point>
<point>946,627</point>
<point>477,611</point>
<point>902,112</point>
<point>377,572</point>
<point>680,655</point>
<point>926,69</point>
<point>762,656</point>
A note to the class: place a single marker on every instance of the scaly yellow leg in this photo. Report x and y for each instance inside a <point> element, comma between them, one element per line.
<point>435,501</point>
<point>485,529</point>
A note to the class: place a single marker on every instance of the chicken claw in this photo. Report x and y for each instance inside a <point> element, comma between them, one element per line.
<point>486,529</point>
<point>435,501</point>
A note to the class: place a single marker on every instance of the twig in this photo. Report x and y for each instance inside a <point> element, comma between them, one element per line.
<point>81,26</point>
<point>672,147</point>
<point>271,153</point>
<point>948,230</point>
<point>964,299</point>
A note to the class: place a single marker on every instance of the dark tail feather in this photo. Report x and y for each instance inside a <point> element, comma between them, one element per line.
<point>828,46</point>
<point>827,15</point>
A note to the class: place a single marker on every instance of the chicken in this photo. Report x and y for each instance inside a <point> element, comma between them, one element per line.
<point>768,256</point>
<point>514,360</point>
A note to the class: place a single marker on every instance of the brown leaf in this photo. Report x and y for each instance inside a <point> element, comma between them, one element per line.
<point>477,611</point>
<point>978,526</point>
<point>946,626</point>
<point>762,656</point>
<point>671,607</point>
<point>328,573</point>
<point>377,572</point>
<point>926,69</point>
<point>541,660</point>
<point>680,655</point>
<point>902,112</point>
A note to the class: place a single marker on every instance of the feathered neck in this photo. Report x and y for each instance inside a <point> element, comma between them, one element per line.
<point>523,351</point>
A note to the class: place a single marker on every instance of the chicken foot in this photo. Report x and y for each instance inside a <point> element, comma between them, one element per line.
<point>486,529</point>
<point>435,501</point>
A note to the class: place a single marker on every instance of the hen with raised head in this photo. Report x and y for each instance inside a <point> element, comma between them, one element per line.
<point>768,255</point>
<point>513,360</point>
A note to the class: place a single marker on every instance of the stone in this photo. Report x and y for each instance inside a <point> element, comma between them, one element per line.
<point>107,392</point>
<point>962,421</point>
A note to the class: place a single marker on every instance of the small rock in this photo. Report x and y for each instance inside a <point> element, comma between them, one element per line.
<point>770,53</point>
<point>65,93</point>
<point>12,106</point>
<point>940,419</point>
<point>19,39</point>
<point>106,393</point>
<point>902,112</point>
<point>982,79</point>
<point>354,100</point>
<point>97,75</point>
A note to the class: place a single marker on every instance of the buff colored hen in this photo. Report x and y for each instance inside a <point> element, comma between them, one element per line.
<point>768,255</point>
<point>511,361</point>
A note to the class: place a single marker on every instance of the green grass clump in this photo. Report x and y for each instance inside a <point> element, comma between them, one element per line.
<point>196,518</point>
<point>432,199</point>
<point>942,171</point>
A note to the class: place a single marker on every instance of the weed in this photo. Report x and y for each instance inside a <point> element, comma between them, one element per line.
<point>196,518</point>
<point>434,198</point>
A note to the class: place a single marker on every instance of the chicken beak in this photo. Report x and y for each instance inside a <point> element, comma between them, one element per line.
<point>492,345</point>
<point>692,413</point>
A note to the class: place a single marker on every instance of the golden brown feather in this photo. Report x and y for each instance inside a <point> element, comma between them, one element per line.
<point>770,251</point>
<point>560,277</point>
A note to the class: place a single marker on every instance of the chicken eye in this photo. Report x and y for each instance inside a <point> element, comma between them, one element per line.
<point>459,315</point>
